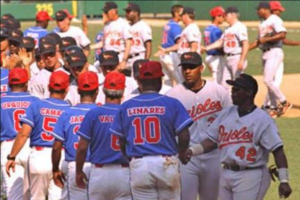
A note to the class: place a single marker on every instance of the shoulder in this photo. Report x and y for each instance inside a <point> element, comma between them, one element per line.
<point>176,90</point>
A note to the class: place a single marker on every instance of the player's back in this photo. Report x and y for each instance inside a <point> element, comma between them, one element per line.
<point>36,33</point>
<point>212,33</point>
<point>104,147</point>
<point>13,107</point>
<point>150,122</point>
<point>4,81</point>
<point>42,116</point>
<point>172,31</point>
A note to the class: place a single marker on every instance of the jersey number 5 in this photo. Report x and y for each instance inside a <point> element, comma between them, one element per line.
<point>150,126</point>
<point>17,115</point>
<point>251,154</point>
<point>48,124</point>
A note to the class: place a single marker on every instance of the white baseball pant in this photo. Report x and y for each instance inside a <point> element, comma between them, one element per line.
<point>173,74</point>
<point>155,177</point>
<point>271,62</point>
<point>201,176</point>
<point>216,65</point>
<point>40,175</point>
<point>74,192</point>
<point>245,185</point>
<point>109,181</point>
<point>16,186</point>
<point>133,59</point>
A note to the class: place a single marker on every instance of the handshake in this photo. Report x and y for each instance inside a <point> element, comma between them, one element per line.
<point>185,156</point>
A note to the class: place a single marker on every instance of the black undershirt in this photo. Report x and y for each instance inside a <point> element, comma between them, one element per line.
<point>241,114</point>
<point>196,91</point>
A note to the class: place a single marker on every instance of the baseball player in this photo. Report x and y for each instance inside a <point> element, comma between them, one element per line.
<point>235,44</point>
<point>109,174</point>
<point>141,36</point>
<point>65,134</point>
<point>4,47</point>
<point>215,58</point>
<point>245,145</point>
<point>38,123</point>
<point>64,29</point>
<point>38,63</point>
<point>109,61</point>
<point>203,100</point>
<point>136,72</point>
<point>147,126</point>
<point>40,29</point>
<point>170,37</point>
<point>117,35</point>
<point>190,38</point>
<point>4,72</point>
<point>271,34</point>
<point>13,107</point>
<point>14,40</point>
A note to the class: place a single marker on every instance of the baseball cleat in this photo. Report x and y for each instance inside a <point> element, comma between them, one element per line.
<point>283,108</point>
<point>273,113</point>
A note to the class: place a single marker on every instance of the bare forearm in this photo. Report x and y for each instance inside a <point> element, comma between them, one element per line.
<point>183,140</point>
<point>208,145</point>
<point>280,158</point>
<point>81,154</point>
<point>127,49</point>
<point>56,155</point>
<point>291,43</point>
<point>275,38</point>
<point>245,49</point>
<point>148,46</point>
<point>20,140</point>
<point>98,45</point>
<point>216,45</point>
<point>172,48</point>
<point>253,45</point>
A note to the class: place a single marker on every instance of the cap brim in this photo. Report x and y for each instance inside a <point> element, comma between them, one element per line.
<point>77,64</point>
<point>188,63</point>
<point>108,63</point>
<point>48,51</point>
<point>15,40</point>
<point>234,83</point>
<point>4,36</point>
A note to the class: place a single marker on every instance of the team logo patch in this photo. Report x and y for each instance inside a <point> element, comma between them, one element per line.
<point>47,46</point>
<point>26,41</point>
<point>74,58</point>
<point>66,42</point>
<point>107,56</point>
<point>187,56</point>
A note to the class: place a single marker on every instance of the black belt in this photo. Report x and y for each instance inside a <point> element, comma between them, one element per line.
<point>233,54</point>
<point>265,50</point>
<point>239,168</point>
<point>133,55</point>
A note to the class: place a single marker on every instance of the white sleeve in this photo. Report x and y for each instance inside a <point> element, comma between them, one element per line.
<point>146,33</point>
<point>36,87</point>
<point>194,35</point>
<point>84,40</point>
<point>278,25</point>
<point>242,33</point>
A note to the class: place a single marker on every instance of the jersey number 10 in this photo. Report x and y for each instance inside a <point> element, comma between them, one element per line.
<point>150,126</point>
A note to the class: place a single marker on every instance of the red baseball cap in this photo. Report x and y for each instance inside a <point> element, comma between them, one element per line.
<point>42,16</point>
<point>217,11</point>
<point>114,81</point>
<point>59,80</point>
<point>88,81</point>
<point>276,5</point>
<point>18,76</point>
<point>151,70</point>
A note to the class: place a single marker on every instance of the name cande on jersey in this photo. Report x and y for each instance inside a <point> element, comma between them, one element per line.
<point>51,112</point>
<point>15,104</point>
<point>158,110</point>
<point>76,119</point>
<point>231,137</point>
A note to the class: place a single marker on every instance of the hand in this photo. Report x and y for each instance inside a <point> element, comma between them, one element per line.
<point>81,180</point>
<point>203,49</point>
<point>262,40</point>
<point>122,65</point>
<point>240,65</point>
<point>161,51</point>
<point>10,164</point>
<point>26,58</point>
<point>59,178</point>
<point>284,190</point>
<point>3,60</point>
<point>14,61</point>
<point>185,156</point>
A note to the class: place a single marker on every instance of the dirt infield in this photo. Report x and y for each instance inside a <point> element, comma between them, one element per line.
<point>290,87</point>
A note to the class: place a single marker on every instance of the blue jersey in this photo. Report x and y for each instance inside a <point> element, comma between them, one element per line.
<point>13,107</point>
<point>104,146</point>
<point>212,33</point>
<point>36,33</point>
<point>42,117</point>
<point>67,126</point>
<point>4,81</point>
<point>150,124</point>
<point>99,37</point>
<point>171,33</point>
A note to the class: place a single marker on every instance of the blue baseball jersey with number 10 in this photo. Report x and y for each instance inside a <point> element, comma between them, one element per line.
<point>171,33</point>
<point>42,117</point>
<point>212,33</point>
<point>13,107</point>
<point>150,123</point>
<point>4,81</point>
<point>67,126</point>
<point>36,33</point>
<point>104,146</point>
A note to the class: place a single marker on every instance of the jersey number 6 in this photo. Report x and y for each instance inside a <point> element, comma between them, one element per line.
<point>17,115</point>
<point>150,126</point>
<point>48,128</point>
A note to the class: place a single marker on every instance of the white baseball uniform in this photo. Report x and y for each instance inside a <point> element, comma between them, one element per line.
<point>141,33</point>
<point>115,34</point>
<point>201,175</point>
<point>245,142</point>
<point>76,33</point>
<point>232,44</point>
<point>191,33</point>
<point>272,56</point>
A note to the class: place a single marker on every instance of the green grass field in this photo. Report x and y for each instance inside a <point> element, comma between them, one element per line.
<point>289,127</point>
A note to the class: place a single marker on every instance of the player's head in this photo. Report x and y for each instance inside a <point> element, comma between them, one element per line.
<point>63,20</point>
<point>28,43</point>
<point>66,42</point>
<point>42,19</point>
<point>58,84</point>
<point>7,16</point>
<point>114,85</point>
<point>4,35</point>
<point>191,67</point>
<point>88,86</point>
<point>176,11</point>
<point>109,61</point>
<point>276,8</point>
<point>136,67</point>
<point>57,40</point>
<point>217,14</point>
<point>132,11</point>
<point>38,59</point>
<point>18,79</point>
<point>77,62</point>
<point>150,76</point>
<point>244,89</point>
<point>48,52</point>
<point>15,39</point>
<point>10,24</point>
<point>263,9</point>
<point>188,14</point>
<point>110,8</point>
<point>232,14</point>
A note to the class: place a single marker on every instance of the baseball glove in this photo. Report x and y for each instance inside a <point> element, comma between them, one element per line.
<point>273,172</point>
